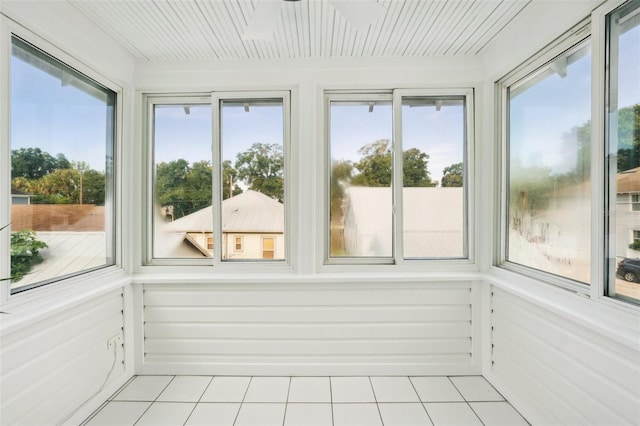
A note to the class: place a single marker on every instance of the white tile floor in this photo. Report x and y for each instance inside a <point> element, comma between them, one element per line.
<point>286,401</point>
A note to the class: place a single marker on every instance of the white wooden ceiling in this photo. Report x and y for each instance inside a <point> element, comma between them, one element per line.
<point>178,30</point>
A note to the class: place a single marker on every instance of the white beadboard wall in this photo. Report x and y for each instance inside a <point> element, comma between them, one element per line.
<point>309,329</point>
<point>565,373</point>
<point>52,367</point>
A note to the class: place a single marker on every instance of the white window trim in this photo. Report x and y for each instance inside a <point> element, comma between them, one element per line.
<point>572,40</point>
<point>396,262</point>
<point>603,290</point>
<point>176,265</point>
<point>596,290</point>
<point>150,101</point>
<point>77,281</point>
<point>216,98</point>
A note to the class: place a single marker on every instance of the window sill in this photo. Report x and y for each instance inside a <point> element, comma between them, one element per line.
<point>34,305</point>
<point>619,322</point>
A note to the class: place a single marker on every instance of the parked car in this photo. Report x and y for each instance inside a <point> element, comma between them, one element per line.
<point>629,269</point>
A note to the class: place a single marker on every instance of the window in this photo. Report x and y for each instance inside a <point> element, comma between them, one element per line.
<point>182,179</point>
<point>228,196</point>
<point>252,151</point>
<point>623,165</point>
<point>268,248</point>
<point>548,159</point>
<point>397,172</point>
<point>62,170</point>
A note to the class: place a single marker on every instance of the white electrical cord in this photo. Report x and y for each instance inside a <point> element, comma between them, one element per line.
<point>113,364</point>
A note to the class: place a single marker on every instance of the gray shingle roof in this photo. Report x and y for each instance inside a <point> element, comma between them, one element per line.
<point>250,211</point>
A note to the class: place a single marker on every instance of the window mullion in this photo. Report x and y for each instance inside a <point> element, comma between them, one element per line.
<point>397,184</point>
<point>216,177</point>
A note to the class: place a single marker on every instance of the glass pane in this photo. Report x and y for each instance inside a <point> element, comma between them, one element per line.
<point>252,135</point>
<point>360,187</point>
<point>624,150</point>
<point>549,152</point>
<point>183,215</point>
<point>62,140</point>
<point>433,135</point>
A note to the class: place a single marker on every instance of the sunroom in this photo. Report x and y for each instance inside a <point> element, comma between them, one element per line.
<point>316,198</point>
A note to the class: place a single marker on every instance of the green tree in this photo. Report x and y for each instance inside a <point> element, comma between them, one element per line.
<point>452,175</point>
<point>375,166</point>
<point>94,187</point>
<point>629,138</point>
<point>187,188</point>
<point>414,168</point>
<point>261,168</point>
<point>61,186</point>
<point>33,163</point>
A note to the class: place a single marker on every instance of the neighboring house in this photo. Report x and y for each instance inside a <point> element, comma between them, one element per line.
<point>628,213</point>
<point>433,222</point>
<point>19,197</point>
<point>252,228</point>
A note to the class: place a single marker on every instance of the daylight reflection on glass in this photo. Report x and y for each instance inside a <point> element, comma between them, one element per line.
<point>182,190</point>
<point>62,141</point>
<point>360,182</point>
<point>549,186</point>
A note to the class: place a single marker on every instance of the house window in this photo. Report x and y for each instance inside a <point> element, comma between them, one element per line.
<point>548,157</point>
<point>62,170</point>
<point>397,174</point>
<point>217,170</point>
<point>623,145</point>
<point>268,248</point>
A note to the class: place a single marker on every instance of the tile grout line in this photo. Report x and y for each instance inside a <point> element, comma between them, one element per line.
<point>154,401</point>
<point>424,407</point>
<point>198,401</point>
<point>376,400</point>
<point>286,402</point>
<point>246,391</point>
<point>333,421</point>
<point>456,388</point>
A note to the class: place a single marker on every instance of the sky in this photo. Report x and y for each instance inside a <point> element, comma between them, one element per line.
<point>440,134</point>
<point>68,121</point>
<point>545,113</point>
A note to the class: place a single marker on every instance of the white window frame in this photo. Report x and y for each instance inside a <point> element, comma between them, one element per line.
<point>397,261</point>
<point>8,30</point>
<point>220,265</point>
<point>528,71</point>
<point>604,76</point>
<point>150,103</point>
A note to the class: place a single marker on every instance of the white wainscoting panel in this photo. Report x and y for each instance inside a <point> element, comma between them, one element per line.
<point>566,373</point>
<point>308,329</point>
<point>52,367</point>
